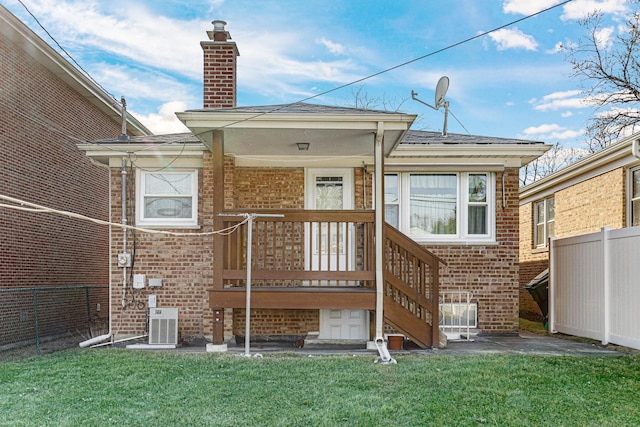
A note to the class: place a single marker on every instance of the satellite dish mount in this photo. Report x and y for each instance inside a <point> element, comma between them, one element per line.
<point>441,91</point>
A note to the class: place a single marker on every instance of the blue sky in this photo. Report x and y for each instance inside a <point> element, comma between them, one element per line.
<point>512,83</point>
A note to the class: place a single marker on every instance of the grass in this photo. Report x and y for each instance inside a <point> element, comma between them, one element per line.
<point>102,387</point>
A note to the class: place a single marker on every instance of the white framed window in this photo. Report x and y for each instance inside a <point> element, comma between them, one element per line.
<point>544,218</point>
<point>448,207</point>
<point>634,197</point>
<point>167,199</point>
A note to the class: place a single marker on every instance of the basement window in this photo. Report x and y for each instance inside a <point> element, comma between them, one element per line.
<point>167,199</point>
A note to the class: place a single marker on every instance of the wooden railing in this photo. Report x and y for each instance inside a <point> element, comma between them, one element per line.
<point>319,248</point>
<point>411,287</point>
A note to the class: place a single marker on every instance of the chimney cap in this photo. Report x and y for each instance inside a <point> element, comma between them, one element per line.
<point>219,34</point>
<point>218,25</point>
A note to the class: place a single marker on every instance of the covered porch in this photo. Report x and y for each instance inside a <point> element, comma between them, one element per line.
<point>316,258</point>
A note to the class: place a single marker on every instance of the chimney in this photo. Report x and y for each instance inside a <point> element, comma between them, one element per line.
<point>220,71</point>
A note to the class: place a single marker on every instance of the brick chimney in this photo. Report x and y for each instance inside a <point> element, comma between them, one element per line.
<point>220,70</point>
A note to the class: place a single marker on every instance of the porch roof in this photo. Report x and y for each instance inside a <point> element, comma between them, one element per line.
<point>275,130</point>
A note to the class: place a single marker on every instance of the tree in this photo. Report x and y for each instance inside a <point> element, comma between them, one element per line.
<point>362,99</point>
<point>611,69</point>
<point>552,161</point>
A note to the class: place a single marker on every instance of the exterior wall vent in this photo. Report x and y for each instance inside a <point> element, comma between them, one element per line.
<point>163,326</point>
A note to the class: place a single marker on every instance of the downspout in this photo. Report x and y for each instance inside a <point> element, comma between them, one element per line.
<point>384,356</point>
<point>104,337</point>
<point>124,234</point>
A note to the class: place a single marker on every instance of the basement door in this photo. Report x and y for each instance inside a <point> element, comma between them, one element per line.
<point>333,189</point>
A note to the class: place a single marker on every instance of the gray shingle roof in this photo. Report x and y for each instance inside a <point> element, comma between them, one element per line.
<point>172,138</point>
<point>295,108</point>
<point>421,137</point>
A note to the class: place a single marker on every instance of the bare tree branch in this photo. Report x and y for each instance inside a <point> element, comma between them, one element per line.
<point>551,161</point>
<point>610,72</point>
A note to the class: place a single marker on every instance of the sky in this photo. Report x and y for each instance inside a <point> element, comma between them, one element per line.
<point>514,82</point>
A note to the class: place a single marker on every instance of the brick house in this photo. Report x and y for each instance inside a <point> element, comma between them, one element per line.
<point>46,107</point>
<point>601,190</point>
<point>333,174</point>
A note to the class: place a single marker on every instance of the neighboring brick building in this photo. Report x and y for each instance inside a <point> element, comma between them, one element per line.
<point>303,160</point>
<point>601,190</point>
<point>46,108</point>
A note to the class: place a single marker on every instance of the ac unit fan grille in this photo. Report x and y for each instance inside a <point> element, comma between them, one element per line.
<point>163,326</point>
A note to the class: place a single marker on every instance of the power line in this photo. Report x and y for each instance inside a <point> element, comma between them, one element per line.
<point>22,205</point>
<point>68,54</point>
<point>411,61</point>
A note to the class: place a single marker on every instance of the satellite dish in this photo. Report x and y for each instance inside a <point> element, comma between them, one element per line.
<point>441,91</point>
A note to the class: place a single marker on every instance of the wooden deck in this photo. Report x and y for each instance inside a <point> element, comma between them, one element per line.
<point>303,297</point>
<point>325,260</point>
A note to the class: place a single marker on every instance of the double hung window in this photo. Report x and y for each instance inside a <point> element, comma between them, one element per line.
<point>167,198</point>
<point>544,220</point>
<point>634,202</point>
<point>442,206</point>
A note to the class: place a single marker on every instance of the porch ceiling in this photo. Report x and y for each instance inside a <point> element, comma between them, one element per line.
<point>277,134</point>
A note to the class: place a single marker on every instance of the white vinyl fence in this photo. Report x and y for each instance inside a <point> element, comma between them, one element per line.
<point>594,286</point>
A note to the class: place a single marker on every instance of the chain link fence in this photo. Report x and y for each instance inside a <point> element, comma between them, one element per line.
<point>35,321</point>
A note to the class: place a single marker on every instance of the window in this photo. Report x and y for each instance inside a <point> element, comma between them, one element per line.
<point>634,204</point>
<point>544,219</point>
<point>167,198</point>
<point>441,206</point>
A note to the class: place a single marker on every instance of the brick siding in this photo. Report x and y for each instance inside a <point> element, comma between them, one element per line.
<point>41,121</point>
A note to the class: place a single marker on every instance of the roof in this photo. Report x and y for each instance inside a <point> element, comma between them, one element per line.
<point>610,158</point>
<point>16,31</point>
<point>421,137</point>
<point>272,132</point>
<point>172,138</point>
<point>295,108</point>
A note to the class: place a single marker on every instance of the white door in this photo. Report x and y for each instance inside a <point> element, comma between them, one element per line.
<point>333,189</point>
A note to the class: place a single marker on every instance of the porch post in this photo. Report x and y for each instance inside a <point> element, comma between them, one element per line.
<point>218,240</point>
<point>379,238</point>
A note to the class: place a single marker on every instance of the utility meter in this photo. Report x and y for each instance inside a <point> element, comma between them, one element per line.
<point>124,260</point>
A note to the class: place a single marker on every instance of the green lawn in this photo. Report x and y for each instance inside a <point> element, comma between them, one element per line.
<point>101,387</point>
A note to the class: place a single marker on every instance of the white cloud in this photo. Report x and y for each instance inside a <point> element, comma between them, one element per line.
<point>527,7</point>
<point>333,47</point>
<point>513,39</point>
<point>559,47</point>
<point>604,37</point>
<point>551,131</point>
<point>576,9</point>
<point>134,33</point>
<point>165,121</point>
<point>579,9</point>
<point>561,100</point>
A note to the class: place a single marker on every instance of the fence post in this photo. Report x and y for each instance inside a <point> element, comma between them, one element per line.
<point>35,318</point>
<point>551,308</point>
<point>86,292</point>
<point>606,285</point>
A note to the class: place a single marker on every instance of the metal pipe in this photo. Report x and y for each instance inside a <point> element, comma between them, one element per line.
<point>123,172</point>
<point>385,357</point>
<point>247,324</point>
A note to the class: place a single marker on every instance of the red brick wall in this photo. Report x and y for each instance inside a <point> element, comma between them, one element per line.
<point>490,272</point>
<point>219,74</point>
<point>185,264</point>
<point>41,120</point>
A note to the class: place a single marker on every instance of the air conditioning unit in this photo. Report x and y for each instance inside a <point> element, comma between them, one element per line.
<point>163,326</point>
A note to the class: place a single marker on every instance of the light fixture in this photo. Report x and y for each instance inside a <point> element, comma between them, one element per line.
<point>303,146</point>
